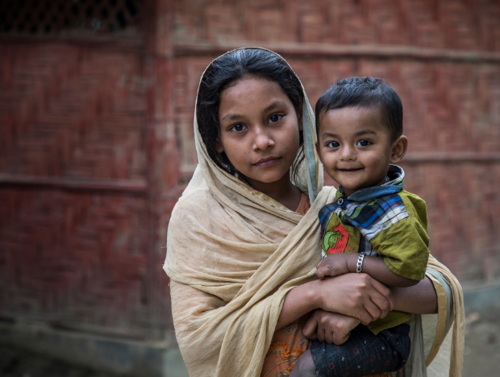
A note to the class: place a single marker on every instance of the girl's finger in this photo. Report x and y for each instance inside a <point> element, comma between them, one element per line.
<point>310,327</point>
<point>365,317</point>
<point>313,336</point>
<point>363,314</point>
<point>339,339</point>
<point>383,305</point>
<point>329,336</point>
<point>373,309</point>
<point>385,301</point>
<point>321,334</point>
<point>381,302</point>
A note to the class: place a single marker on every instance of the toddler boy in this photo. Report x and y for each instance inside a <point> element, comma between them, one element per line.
<point>373,226</point>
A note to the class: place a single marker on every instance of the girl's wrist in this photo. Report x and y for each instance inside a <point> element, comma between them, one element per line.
<point>314,297</point>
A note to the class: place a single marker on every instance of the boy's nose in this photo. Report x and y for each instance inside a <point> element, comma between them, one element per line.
<point>347,153</point>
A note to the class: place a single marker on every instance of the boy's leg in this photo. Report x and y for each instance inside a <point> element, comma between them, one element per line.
<point>304,366</point>
<point>363,353</point>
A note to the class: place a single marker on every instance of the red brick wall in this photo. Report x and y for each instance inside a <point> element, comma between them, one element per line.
<point>96,140</point>
<point>424,50</point>
<point>88,167</point>
<point>75,219</point>
<point>450,24</point>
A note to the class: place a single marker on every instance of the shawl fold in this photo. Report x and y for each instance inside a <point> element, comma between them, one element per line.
<point>233,254</point>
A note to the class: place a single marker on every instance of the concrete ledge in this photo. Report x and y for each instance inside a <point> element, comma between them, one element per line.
<point>162,359</point>
<point>482,297</point>
<point>110,355</point>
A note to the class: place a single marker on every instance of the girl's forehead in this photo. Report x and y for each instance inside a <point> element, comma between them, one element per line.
<point>251,91</point>
<point>253,81</point>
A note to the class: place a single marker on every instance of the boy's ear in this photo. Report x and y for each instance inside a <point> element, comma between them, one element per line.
<point>399,148</point>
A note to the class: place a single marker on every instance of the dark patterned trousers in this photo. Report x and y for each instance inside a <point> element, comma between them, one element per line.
<point>363,353</point>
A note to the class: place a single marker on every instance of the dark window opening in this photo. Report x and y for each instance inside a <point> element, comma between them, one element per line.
<point>75,17</point>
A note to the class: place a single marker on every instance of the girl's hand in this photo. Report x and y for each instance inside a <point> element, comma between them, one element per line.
<point>329,327</point>
<point>355,295</point>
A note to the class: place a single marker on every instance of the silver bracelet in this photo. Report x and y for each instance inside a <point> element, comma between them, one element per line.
<point>359,265</point>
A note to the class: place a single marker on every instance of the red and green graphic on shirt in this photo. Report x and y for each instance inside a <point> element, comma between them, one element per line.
<point>335,240</point>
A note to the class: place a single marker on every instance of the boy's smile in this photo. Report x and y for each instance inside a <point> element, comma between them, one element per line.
<point>355,147</point>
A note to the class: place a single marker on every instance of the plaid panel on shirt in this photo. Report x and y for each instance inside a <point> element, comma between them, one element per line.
<point>375,216</point>
<point>366,247</point>
<point>369,217</point>
<point>325,213</point>
<point>370,210</point>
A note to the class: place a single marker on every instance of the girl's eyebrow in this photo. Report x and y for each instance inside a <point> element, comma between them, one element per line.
<point>272,106</point>
<point>230,117</point>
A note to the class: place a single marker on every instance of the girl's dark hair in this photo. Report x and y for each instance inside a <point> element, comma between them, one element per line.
<point>364,92</point>
<point>229,68</point>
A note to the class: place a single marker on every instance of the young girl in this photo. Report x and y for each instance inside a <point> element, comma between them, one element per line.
<point>240,267</point>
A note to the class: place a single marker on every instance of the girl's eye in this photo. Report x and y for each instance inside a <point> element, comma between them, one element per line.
<point>333,144</point>
<point>275,118</point>
<point>363,143</point>
<point>238,127</point>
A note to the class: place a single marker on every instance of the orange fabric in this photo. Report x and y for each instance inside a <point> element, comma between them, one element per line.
<point>304,204</point>
<point>289,343</point>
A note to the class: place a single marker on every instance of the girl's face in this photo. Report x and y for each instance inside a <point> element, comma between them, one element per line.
<point>259,130</point>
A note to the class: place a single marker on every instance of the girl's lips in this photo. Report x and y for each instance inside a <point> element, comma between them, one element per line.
<point>267,162</point>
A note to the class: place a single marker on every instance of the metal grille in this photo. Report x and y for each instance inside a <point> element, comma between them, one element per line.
<point>70,17</point>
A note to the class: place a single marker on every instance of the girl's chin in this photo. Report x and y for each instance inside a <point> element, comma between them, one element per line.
<point>267,179</point>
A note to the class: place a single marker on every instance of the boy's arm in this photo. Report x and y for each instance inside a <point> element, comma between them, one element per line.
<point>377,269</point>
<point>342,263</point>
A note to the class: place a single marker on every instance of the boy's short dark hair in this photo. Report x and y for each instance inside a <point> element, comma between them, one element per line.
<point>364,92</point>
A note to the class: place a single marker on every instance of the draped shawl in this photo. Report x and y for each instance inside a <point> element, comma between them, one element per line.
<point>233,253</point>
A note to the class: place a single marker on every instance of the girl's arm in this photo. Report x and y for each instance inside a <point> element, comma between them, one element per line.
<point>335,328</point>
<point>358,296</point>
<point>420,298</point>
<point>355,295</point>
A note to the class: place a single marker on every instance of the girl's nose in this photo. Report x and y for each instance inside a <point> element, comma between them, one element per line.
<point>262,139</point>
<point>347,153</point>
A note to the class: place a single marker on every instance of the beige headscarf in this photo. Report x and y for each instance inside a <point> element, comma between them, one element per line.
<point>233,253</point>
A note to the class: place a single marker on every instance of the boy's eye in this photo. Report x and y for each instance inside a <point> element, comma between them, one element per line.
<point>363,143</point>
<point>238,127</point>
<point>333,144</point>
<point>275,118</point>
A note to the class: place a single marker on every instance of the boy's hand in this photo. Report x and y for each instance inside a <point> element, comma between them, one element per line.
<point>329,327</point>
<point>335,265</point>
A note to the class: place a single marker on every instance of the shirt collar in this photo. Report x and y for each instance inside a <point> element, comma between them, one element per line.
<point>394,184</point>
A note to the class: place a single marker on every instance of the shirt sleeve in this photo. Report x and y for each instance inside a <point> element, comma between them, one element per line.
<point>405,244</point>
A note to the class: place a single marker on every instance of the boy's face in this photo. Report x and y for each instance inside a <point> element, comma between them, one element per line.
<point>355,147</point>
